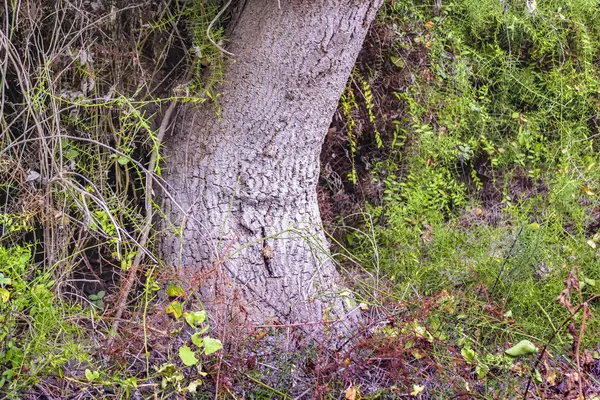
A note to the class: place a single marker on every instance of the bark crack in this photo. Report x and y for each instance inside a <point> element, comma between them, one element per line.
<point>267,253</point>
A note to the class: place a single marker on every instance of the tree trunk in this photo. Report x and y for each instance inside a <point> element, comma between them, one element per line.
<point>250,241</point>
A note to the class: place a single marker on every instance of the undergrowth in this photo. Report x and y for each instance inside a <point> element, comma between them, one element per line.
<point>85,89</point>
<point>490,175</point>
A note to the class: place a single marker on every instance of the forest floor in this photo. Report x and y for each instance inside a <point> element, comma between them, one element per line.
<point>459,187</point>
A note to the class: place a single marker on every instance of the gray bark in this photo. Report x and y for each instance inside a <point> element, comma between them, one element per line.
<point>251,235</point>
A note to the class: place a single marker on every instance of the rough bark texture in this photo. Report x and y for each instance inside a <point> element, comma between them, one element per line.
<point>247,178</point>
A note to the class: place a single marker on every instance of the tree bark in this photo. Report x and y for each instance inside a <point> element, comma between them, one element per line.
<point>245,171</point>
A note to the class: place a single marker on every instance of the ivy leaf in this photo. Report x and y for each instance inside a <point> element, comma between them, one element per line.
<point>175,308</point>
<point>187,356</point>
<point>175,291</point>
<point>523,348</point>
<point>197,340</point>
<point>212,345</point>
<point>195,318</point>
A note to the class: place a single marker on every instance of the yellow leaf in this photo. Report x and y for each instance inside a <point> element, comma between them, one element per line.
<point>351,393</point>
<point>4,295</point>
<point>551,378</point>
<point>588,191</point>
<point>591,243</point>
<point>417,389</point>
<point>429,24</point>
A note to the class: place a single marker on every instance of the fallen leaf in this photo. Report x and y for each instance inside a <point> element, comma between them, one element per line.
<point>551,378</point>
<point>588,191</point>
<point>351,393</point>
<point>417,389</point>
<point>427,236</point>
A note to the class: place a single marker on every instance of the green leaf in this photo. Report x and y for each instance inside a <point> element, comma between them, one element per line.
<point>175,291</point>
<point>100,294</point>
<point>193,385</point>
<point>590,282</point>
<point>93,297</point>
<point>468,354</point>
<point>195,318</point>
<point>482,371</point>
<point>515,115</point>
<point>212,345</point>
<point>4,281</point>
<point>123,160</point>
<point>187,356</point>
<point>203,330</point>
<point>397,61</point>
<point>71,153</point>
<point>197,340</point>
<point>523,348</point>
<point>91,376</point>
<point>175,308</point>
<point>537,377</point>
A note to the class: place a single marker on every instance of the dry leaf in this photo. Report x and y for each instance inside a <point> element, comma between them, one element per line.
<point>427,236</point>
<point>571,284</point>
<point>551,378</point>
<point>588,191</point>
<point>351,393</point>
